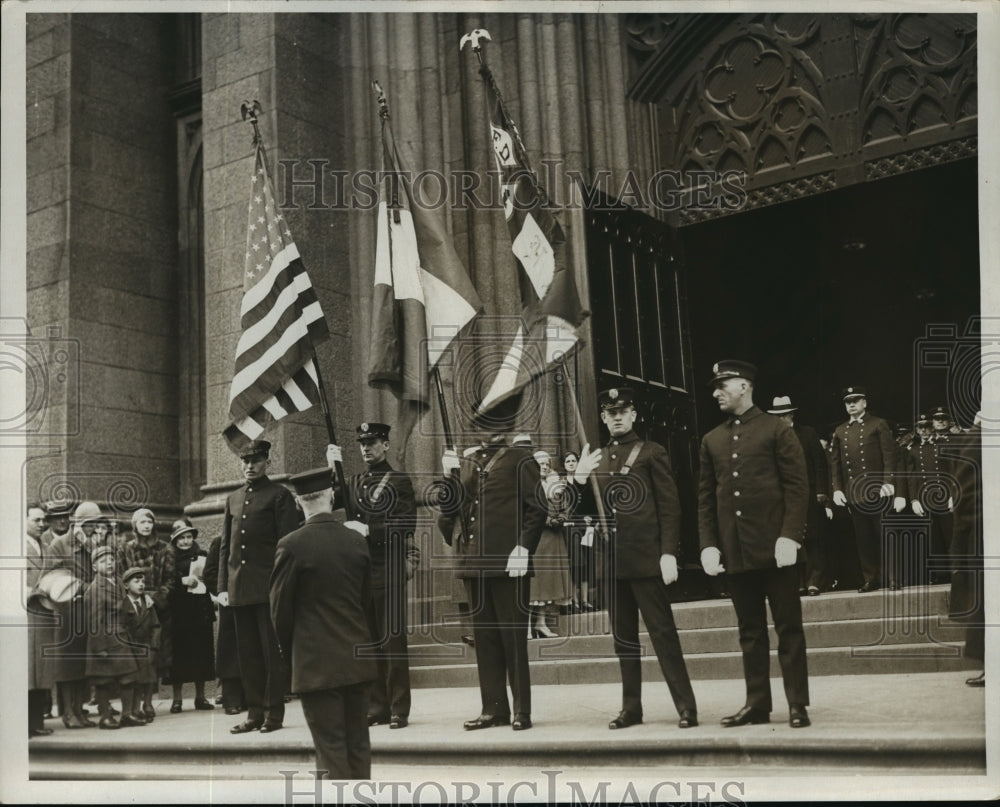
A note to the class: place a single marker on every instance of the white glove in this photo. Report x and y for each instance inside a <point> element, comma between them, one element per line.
<point>358,527</point>
<point>785,552</point>
<point>517,563</point>
<point>668,568</point>
<point>711,561</point>
<point>588,537</point>
<point>333,455</point>
<point>450,462</point>
<point>918,508</point>
<point>951,505</point>
<point>899,504</point>
<point>588,461</point>
<point>829,513</point>
<point>223,598</point>
<point>839,498</point>
<point>887,490</point>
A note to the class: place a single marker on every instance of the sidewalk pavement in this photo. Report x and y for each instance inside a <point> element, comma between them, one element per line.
<point>920,723</point>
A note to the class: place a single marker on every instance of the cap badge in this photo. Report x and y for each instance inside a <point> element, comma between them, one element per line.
<point>364,427</point>
<point>613,394</point>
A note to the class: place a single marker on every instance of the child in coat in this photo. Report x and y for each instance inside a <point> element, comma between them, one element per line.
<point>142,629</point>
<point>110,658</point>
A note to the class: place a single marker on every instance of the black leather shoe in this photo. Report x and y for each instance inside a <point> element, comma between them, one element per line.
<point>233,710</point>
<point>202,705</point>
<point>109,723</point>
<point>486,722</point>
<point>978,681</point>
<point>469,640</point>
<point>268,727</point>
<point>521,722</point>
<point>798,718</point>
<point>398,722</point>
<point>746,715</point>
<point>868,585</point>
<point>176,707</point>
<point>813,591</point>
<point>245,727</point>
<point>688,719</point>
<point>42,732</point>
<point>624,720</point>
<point>377,720</point>
<point>131,720</point>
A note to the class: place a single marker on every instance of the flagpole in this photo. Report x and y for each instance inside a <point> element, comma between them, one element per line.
<point>249,110</point>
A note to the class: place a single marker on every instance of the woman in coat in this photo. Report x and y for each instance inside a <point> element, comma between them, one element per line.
<point>550,586</point>
<point>192,615</point>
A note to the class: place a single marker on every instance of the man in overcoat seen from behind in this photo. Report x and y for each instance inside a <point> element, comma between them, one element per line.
<point>319,590</point>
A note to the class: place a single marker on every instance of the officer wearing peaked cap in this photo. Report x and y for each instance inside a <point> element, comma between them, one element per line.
<point>644,546</point>
<point>318,592</point>
<point>753,496</point>
<point>863,466</point>
<point>382,507</point>
<point>926,478</point>
<point>256,516</point>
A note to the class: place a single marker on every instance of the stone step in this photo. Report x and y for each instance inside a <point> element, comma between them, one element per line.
<point>603,668</point>
<point>850,633</point>
<point>719,613</point>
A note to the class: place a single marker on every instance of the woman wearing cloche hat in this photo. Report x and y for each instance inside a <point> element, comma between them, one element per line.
<point>192,614</point>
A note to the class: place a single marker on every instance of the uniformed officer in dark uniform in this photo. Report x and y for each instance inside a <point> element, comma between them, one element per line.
<point>319,587</point>
<point>863,466</point>
<point>645,536</point>
<point>753,495</point>
<point>382,499</point>
<point>256,516</point>
<point>504,511</point>
<point>929,492</point>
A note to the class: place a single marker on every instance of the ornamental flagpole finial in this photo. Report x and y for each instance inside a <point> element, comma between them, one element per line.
<point>383,104</point>
<point>249,109</point>
<point>475,37</point>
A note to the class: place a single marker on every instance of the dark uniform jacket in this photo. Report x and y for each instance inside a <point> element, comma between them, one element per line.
<point>927,480</point>
<point>390,511</point>
<point>643,506</point>
<point>504,506</point>
<point>320,583</point>
<point>862,455</point>
<point>257,515</point>
<point>963,458</point>
<point>817,465</point>
<point>753,489</point>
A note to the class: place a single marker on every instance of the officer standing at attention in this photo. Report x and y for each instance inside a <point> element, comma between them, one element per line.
<point>256,516</point>
<point>504,509</point>
<point>318,590</point>
<point>863,464</point>
<point>753,496</point>
<point>644,547</point>
<point>382,499</point>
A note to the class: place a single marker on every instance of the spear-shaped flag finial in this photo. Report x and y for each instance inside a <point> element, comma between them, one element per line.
<point>475,37</point>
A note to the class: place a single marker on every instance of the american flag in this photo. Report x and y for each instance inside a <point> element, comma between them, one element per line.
<point>551,310</point>
<point>281,322</point>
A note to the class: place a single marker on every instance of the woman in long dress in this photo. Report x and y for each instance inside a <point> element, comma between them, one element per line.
<point>550,586</point>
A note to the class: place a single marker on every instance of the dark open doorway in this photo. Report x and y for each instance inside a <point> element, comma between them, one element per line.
<point>837,289</point>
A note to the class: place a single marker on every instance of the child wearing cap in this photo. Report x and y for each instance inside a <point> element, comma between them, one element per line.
<point>110,660</point>
<point>142,629</point>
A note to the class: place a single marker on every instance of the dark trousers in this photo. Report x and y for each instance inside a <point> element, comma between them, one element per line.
<point>37,699</point>
<point>815,546</point>
<point>649,596</point>
<point>779,587</point>
<point>500,627</point>
<point>390,692</point>
<point>264,674</point>
<point>338,721</point>
<point>868,534</point>
<point>942,529</point>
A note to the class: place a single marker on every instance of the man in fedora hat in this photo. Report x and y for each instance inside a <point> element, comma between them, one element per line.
<point>256,516</point>
<point>57,515</point>
<point>500,502</point>
<point>863,466</point>
<point>644,544</point>
<point>318,593</point>
<point>818,470</point>
<point>382,499</point>
<point>753,496</point>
